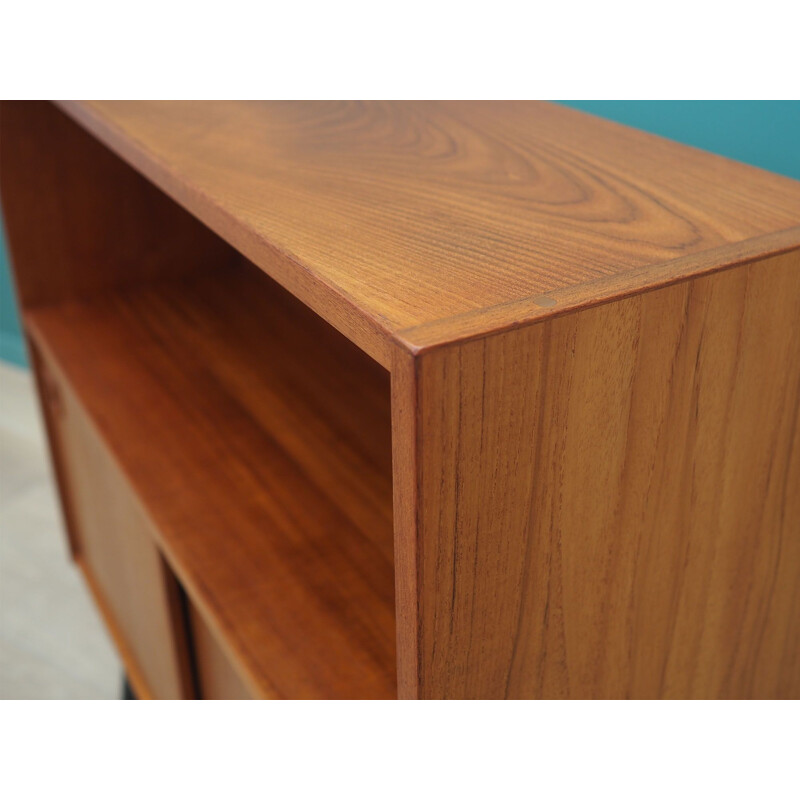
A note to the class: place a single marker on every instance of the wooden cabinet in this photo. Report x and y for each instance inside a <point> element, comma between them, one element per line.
<point>422,400</point>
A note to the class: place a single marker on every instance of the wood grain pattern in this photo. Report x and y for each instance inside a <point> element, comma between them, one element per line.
<point>384,217</point>
<point>258,442</point>
<point>607,504</point>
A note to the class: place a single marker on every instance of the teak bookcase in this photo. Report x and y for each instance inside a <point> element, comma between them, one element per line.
<point>428,400</point>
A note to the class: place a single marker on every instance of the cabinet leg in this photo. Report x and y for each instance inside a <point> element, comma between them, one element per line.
<point>127,689</point>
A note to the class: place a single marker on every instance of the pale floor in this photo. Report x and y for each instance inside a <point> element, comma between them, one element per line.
<point>52,642</point>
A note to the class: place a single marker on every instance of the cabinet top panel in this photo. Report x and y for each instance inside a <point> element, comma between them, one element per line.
<point>419,223</point>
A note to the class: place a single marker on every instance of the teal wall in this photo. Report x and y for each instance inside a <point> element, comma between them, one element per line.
<point>11,346</point>
<point>763,133</point>
<point>766,134</point>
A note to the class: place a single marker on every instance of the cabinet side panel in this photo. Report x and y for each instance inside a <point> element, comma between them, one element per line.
<point>608,503</point>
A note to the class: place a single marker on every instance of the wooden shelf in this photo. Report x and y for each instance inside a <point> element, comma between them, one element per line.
<point>258,440</point>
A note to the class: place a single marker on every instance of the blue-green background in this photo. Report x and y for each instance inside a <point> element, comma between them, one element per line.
<point>766,134</point>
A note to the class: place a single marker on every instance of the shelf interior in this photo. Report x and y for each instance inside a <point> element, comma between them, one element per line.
<point>258,441</point>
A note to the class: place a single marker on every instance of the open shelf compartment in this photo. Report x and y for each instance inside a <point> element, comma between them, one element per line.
<point>257,440</point>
